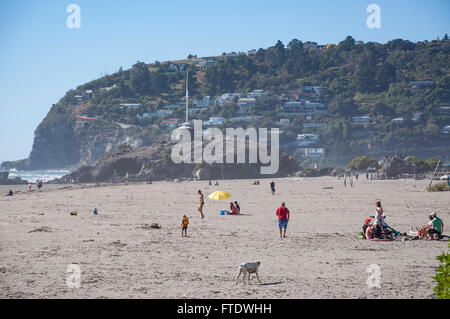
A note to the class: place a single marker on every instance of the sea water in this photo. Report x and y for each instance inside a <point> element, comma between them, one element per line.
<point>32,176</point>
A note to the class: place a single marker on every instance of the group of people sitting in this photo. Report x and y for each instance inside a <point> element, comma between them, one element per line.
<point>378,229</point>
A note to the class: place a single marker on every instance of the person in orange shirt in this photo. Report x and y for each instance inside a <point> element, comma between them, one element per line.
<point>283,219</point>
<point>184,226</point>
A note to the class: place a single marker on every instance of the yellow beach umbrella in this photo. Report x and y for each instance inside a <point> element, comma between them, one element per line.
<point>219,195</point>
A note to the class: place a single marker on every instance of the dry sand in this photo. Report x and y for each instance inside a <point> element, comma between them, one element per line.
<point>120,257</point>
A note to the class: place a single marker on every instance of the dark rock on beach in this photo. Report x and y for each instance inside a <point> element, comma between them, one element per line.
<point>155,163</point>
<point>5,180</point>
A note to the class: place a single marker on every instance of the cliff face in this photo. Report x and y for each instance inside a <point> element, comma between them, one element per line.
<point>71,142</point>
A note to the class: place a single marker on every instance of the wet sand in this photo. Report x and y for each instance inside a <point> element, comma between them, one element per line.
<point>121,257</point>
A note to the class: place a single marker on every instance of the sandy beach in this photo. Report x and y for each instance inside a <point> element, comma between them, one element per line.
<point>120,256</point>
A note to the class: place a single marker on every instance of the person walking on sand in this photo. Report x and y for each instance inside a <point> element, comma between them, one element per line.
<point>283,219</point>
<point>202,203</point>
<point>184,226</point>
<point>272,187</point>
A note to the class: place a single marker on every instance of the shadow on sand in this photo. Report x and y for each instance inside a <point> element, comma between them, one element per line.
<point>271,283</point>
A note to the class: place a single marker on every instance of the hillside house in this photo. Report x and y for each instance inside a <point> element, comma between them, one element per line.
<point>442,110</point>
<point>244,104</point>
<point>222,99</point>
<point>283,122</point>
<point>256,93</point>
<point>312,152</point>
<point>307,139</point>
<point>417,116</point>
<point>398,120</point>
<point>172,122</point>
<point>314,107</point>
<point>204,102</point>
<point>421,84</point>
<point>361,119</point>
<point>292,107</point>
<point>214,120</point>
<point>314,125</point>
<point>244,119</point>
<point>129,106</point>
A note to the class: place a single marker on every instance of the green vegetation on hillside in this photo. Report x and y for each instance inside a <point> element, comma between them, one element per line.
<point>360,78</point>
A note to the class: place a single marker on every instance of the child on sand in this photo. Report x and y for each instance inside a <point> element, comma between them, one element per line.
<point>184,226</point>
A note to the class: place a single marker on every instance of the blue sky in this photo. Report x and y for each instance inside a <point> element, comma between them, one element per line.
<point>41,59</point>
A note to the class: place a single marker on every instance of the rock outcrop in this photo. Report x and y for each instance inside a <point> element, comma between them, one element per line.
<point>155,163</point>
<point>5,180</point>
<point>395,166</point>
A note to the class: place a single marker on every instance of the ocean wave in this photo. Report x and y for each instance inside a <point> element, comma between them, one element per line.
<point>33,176</point>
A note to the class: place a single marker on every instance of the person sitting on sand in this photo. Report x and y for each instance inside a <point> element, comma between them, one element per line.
<point>237,207</point>
<point>369,232</point>
<point>421,230</point>
<point>233,209</point>
<point>95,212</point>
<point>9,193</point>
<point>184,226</point>
<point>436,228</point>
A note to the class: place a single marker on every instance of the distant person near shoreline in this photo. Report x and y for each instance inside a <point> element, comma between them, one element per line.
<point>202,203</point>
<point>272,187</point>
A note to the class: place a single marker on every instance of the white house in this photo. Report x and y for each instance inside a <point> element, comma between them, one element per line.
<point>129,106</point>
<point>221,100</point>
<point>283,122</point>
<point>307,139</point>
<point>256,93</point>
<point>251,52</point>
<point>314,125</point>
<point>214,120</point>
<point>244,104</point>
<point>362,119</point>
<point>204,102</point>
<point>421,84</point>
<point>398,120</point>
<point>416,116</point>
<point>312,152</point>
<point>245,119</point>
<point>314,106</point>
<point>446,129</point>
<point>293,106</point>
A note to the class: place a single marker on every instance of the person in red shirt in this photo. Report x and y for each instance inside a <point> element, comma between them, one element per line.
<point>283,219</point>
